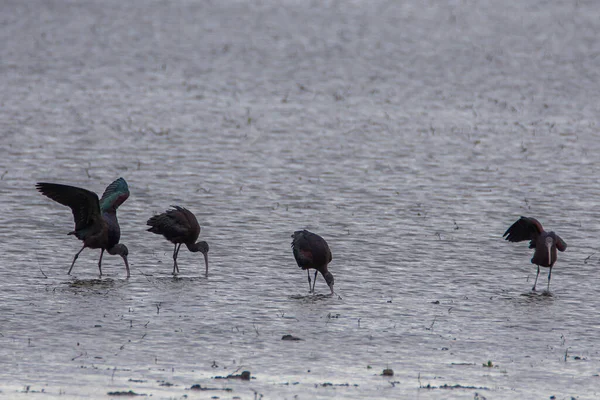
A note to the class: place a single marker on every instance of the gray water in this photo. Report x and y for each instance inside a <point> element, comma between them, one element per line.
<point>409,135</point>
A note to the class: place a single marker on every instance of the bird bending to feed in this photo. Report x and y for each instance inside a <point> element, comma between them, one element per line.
<point>179,226</point>
<point>95,220</point>
<point>544,243</point>
<point>312,251</point>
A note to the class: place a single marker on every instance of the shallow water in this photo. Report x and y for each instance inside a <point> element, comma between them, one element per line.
<point>409,136</point>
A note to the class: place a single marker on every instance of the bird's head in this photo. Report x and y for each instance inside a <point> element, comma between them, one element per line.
<point>122,250</point>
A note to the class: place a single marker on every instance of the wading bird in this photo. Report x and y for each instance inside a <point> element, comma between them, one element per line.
<point>95,220</point>
<point>544,243</point>
<point>312,251</point>
<point>179,226</point>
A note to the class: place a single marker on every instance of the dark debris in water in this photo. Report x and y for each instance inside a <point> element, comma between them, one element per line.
<point>245,376</point>
<point>197,386</point>
<point>124,393</point>
<point>28,389</point>
<point>290,337</point>
<point>329,384</point>
<point>452,387</point>
<point>388,372</point>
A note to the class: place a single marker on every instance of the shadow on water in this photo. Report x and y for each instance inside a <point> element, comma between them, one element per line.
<point>179,279</point>
<point>311,298</point>
<point>539,296</point>
<point>91,283</point>
<point>91,286</point>
<point>543,297</point>
<point>530,297</point>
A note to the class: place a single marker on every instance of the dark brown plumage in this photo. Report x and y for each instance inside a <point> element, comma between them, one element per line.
<point>179,226</point>
<point>95,220</point>
<point>311,251</point>
<point>544,243</point>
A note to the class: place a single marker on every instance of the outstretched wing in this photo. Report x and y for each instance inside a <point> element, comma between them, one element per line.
<point>83,203</point>
<point>526,228</point>
<point>114,195</point>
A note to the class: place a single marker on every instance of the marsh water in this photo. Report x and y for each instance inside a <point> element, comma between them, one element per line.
<point>409,135</point>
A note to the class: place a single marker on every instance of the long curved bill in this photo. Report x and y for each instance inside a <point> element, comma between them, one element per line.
<point>334,293</point>
<point>206,263</point>
<point>126,266</point>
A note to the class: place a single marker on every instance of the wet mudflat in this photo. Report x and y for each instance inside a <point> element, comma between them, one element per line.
<point>409,135</point>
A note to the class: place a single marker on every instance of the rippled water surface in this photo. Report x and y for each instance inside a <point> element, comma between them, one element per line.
<point>409,135</point>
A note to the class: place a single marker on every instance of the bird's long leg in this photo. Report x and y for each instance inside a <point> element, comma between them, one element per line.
<point>549,276</point>
<point>536,277</point>
<point>75,259</point>
<point>314,281</point>
<point>100,262</point>
<point>175,259</point>
<point>175,253</point>
<point>309,287</point>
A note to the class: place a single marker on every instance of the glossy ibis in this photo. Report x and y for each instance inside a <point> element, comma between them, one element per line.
<point>544,243</point>
<point>179,226</point>
<point>312,251</point>
<point>95,220</point>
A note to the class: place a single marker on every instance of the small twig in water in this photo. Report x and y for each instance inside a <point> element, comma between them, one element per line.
<point>587,258</point>
<point>158,307</point>
<point>40,265</point>
<point>233,373</point>
<point>431,326</point>
<point>256,329</point>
